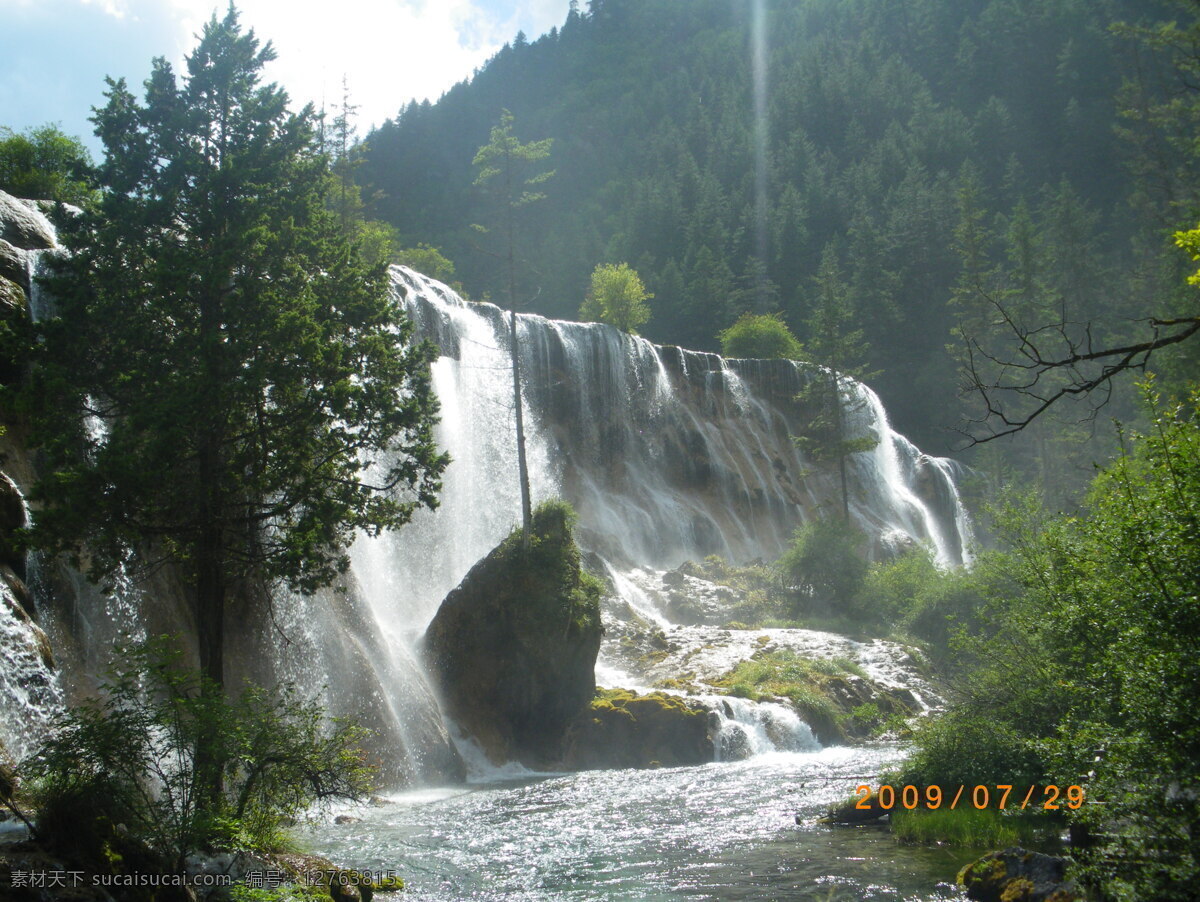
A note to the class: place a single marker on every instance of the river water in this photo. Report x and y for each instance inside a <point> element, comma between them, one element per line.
<point>719,831</point>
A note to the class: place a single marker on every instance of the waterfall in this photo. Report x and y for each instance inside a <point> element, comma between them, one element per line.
<point>666,454</point>
<point>746,728</point>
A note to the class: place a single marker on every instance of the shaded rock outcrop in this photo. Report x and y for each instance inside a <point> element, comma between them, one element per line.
<point>513,648</point>
<point>623,729</point>
<point>23,226</point>
<point>1017,875</point>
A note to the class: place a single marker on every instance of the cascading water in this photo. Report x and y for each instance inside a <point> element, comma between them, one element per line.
<point>666,454</point>
<point>746,728</point>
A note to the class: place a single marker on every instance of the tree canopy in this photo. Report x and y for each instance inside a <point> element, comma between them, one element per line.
<point>761,335</point>
<point>225,384</point>
<point>617,297</point>
<point>46,164</point>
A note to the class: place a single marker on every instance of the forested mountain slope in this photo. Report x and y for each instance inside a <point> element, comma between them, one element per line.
<point>934,145</point>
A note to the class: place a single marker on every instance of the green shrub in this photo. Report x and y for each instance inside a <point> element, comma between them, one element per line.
<point>760,336</point>
<point>968,748</point>
<point>130,757</point>
<point>825,566</point>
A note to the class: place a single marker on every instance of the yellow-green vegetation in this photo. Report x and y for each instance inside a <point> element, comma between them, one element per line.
<point>820,689</point>
<point>630,704</point>
<point>624,729</point>
<point>387,884</point>
<point>761,336</point>
<point>985,869</point>
<point>965,826</point>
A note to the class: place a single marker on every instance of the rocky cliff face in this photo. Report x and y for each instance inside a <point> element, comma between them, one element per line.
<point>513,648</point>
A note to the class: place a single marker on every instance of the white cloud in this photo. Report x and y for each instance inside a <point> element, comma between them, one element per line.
<point>390,51</point>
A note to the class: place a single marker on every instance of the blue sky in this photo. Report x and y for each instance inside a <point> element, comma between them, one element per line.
<point>54,54</point>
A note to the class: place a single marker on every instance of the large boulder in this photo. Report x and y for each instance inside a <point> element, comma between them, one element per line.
<point>623,729</point>
<point>14,268</point>
<point>513,648</point>
<point>24,227</point>
<point>1017,875</point>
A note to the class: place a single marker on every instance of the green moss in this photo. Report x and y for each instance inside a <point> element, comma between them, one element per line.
<point>809,684</point>
<point>624,729</point>
<point>985,870</point>
<point>560,588</point>
<point>387,885</point>
<point>627,702</point>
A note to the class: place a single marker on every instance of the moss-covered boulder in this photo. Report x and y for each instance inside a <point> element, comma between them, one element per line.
<point>623,729</point>
<point>513,648</point>
<point>1017,875</point>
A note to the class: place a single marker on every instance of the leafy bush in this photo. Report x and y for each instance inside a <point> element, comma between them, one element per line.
<point>132,757</point>
<point>825,566</point>
<point>46,164</point>
<point>762,337</point>
<point>617,296</point>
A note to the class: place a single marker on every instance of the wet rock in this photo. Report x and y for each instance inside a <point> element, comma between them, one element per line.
<point>24,227</point>
<point>513,647</point>
<point>1017,875</point>
<point>13,303</point>
<point>13,268</point>
<point>13,516</point>
<point>19,592</point>
<point>856,811</point>
<point>692,600</point>
<point>624,729</point>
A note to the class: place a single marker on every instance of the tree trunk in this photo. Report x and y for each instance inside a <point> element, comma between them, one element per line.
<point>522,466</point>
<point>840,441</point>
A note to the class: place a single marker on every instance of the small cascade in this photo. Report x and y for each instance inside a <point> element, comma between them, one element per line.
<point>30,695</point>
<point>907,493</point>
<point>746,728</point>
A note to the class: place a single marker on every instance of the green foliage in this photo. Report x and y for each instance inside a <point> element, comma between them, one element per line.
<point>964,825</point>
<point>760,336</point>
<point>569,592</point>
<point>824,566</point>
<point>617,297</point>
<point>1087,664</point>
<point>130,757</point>
<point>913,595</point>
<point>967,748</point>
<point>45,164</point>
<point>426,260</point>
<point>225,377</point>
<point>377,242</point>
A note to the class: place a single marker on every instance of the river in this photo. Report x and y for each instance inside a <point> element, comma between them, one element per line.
<point>719,831</point>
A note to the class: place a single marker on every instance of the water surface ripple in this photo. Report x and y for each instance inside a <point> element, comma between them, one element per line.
<point>720,831</point>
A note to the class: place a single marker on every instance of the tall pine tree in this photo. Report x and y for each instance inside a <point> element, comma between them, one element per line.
<point>225,384</point>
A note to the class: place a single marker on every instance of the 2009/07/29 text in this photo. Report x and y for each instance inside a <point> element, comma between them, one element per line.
<point>998,796</point>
